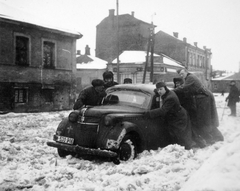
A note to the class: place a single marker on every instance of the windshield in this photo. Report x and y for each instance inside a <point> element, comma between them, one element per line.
<point>128,97</point>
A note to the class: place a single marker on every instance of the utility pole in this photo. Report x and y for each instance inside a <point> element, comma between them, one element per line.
<point>118,75</point>
<point>149,48</point>
<point>152,51</point>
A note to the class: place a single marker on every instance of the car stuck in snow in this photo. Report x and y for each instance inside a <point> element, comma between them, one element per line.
<point>116,129</point>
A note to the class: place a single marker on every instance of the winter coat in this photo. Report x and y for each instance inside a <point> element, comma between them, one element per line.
<point>176,119</point>
<point>233,96</point>
<point>206,119</point>
<point>110,84</point>
<point>89,96</point>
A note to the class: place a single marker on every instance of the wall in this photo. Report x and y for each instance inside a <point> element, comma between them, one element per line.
<point>33,77</point>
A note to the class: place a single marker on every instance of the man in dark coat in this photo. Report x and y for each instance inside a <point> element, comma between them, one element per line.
<point>175,116</point>
<point>233,98</point>
<point>92,95</point>
<point>108,79</point>
<point>206,112</point>
<point>188,103</point>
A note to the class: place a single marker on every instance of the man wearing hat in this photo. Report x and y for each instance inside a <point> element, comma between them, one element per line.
<point>108,79</point>
<point>175,116</point>
<point>92,95</point>
<point>206,117</point>
<point>233,98</point>
<point>127,81</point>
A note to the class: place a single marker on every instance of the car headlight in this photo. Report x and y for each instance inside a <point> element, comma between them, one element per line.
<point>73,116</point>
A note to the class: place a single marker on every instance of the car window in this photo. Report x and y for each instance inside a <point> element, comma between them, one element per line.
<point>130,98</point>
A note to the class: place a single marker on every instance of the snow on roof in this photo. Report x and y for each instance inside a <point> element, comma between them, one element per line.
<point>171,62</point>
<point>132,56</point>
<point>15,14</point>
<point>96,63</point>
<point>224,76</point>
<point>139,57</point>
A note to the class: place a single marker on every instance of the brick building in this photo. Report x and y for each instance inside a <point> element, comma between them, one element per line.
<point>37,64</point>
<point>134,35</point>
<point>192,57</point>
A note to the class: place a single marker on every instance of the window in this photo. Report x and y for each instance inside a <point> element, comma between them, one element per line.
<point>48,54</point>
<point>21,50</point>
<point>21,95</point>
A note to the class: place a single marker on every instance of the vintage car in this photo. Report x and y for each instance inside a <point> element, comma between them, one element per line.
<point>116,129</point>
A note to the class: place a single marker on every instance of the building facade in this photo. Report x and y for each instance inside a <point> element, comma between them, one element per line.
<point>133,65</point>
<point>37,66</point>
<point>133,34</point>
<point>192,57</point>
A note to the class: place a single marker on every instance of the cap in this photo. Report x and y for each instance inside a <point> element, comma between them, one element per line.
<point>127,80</point>
<point>107,75</point>
<point>160,84</point>
<point>97,82</point>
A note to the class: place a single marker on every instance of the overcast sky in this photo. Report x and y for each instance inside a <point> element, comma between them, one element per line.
<point>212,23</point>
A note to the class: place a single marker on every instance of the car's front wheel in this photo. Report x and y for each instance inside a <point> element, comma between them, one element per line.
<point>127,149</point>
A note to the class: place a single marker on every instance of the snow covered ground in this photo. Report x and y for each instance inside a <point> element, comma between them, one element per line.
<point>27,163</point>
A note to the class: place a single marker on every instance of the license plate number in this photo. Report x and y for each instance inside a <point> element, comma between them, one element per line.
<point>63,139</point>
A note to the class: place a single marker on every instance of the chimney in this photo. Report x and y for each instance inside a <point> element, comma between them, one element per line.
<point>175,34</point>
<point>87,50</point>
<point>195,43</point>
<point>204,47</point>
<point>133,13</point>
<point>111,12</point>
<point>78,52</point>
<point>185,39</point>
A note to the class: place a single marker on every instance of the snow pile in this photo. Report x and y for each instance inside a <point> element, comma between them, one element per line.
<point>27,163</point>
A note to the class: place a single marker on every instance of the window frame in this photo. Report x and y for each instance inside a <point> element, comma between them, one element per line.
<point>16,34</point>
<point>25,100</point>
<point>53,66</point>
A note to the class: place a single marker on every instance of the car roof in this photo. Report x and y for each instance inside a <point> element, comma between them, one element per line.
<point>137,87</point>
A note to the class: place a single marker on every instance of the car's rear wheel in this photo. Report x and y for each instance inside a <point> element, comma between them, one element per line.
<point>128,148</point>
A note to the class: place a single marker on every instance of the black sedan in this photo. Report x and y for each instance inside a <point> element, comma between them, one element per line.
<point>116,129</point>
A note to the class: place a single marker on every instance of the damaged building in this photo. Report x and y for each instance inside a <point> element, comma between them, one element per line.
<point>37,65</point>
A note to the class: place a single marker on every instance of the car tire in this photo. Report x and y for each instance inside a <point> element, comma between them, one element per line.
<point>127,149</point>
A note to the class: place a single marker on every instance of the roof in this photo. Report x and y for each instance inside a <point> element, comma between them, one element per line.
<point>8,12</point>
<point>137,87</point>
<point>229,77</point>
<point>139,57</point>
<point>90,62</point>
<point>125,19</point>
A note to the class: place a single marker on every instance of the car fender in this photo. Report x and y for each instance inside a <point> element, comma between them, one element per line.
<point>65,128</point>
<point>116,134</point>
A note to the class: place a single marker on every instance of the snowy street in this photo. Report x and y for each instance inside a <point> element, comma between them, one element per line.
<point>27,163</point>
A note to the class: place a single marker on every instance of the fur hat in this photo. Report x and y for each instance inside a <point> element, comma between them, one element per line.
<point>160,84</point>
<point>107,75</point>
<point>175,80</point>
<point>127,80</point>
<point>97,82</point>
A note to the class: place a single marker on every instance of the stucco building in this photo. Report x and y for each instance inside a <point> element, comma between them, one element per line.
<point>132,33</point>
<point>37,64</point>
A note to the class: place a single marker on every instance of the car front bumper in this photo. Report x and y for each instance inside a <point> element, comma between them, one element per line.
<point>82,150</point>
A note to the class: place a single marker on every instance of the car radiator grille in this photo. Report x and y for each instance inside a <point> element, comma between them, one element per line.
<point>86,132</point>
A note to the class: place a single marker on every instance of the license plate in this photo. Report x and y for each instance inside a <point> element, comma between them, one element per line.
<point>63,139</point>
